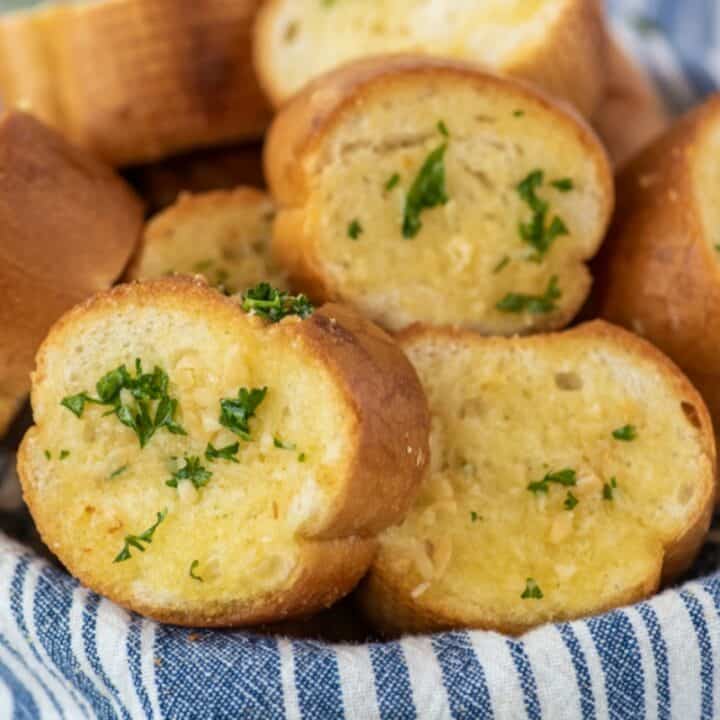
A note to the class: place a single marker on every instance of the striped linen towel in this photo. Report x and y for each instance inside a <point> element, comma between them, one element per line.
<point>67,653</point>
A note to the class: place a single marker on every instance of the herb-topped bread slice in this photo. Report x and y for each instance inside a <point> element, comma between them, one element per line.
<point>222,235</point>
<point>570,473</point>
<point>209,466</point>
<point>558,44</point>
<point>422,190</point>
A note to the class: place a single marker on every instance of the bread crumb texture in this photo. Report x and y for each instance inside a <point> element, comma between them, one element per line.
<point>214,536</point>
<point>566,470</point>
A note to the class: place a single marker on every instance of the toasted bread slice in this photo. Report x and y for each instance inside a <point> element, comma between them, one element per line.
<point>422,190</point>
<point>69,225</point>
<point>570,474</point>
<point>254,456</point>
<point>136,80</point>
<point>631,113</point>
<point>660,270</point>
<point>558,44</point>
<point>222,235</point>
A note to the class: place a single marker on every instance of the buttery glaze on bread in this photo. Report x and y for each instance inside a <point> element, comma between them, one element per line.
<point>285,524</point>
<point>423,190</point>
<point>570,474</point>
<point>559,45</point>
<point>222,235</point>
<point>136,80</point>
<point>659,274</point>
<point>69,225</point>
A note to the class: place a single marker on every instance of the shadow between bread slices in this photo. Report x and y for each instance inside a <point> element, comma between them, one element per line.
<point>270,456</point>
<point>423,190</point>
<point>571,473</point>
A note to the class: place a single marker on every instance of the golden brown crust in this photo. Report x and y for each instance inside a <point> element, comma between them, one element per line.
<point>69,226</point>
<point>568,61</point>
<point>135,80</point>
<point>631,113</point>
<point>386,601</point>
<point>658,274</point>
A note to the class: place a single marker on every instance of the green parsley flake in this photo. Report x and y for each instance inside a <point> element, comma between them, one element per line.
<point>501,265</point>
<point>355,229</point>
<point>64,454</point>
<point>537,233</point>
<point>392,182</point>
<point>427,191</point>
<point>192,471</point>
<point>519,113</point>
<point>566,478</point>
<point>474,517</point>
<point>563,185</point>
<point>283,445</point>
<point>532,590</point>
<point>235,413</point>
<point>302,457</point>
<point>118,472</point>
<point>442,129</point>
<point>48,455</point>
<point>533,304</point>
<point>193,566</point>
<point>229,452</point>
<point>570,501</point>
<point>273,304</point>
<point>627,433</point>
<point>609,489</point>
<point>137,541</point>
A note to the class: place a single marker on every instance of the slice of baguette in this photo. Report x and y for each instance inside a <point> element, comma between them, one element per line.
<point>331,456</point>
<point>136,80</point>
<point>659,273</point>
<point>343,162</point>
<point>222,235</point>
<point>69,225</point>
<point>631,113</point>
<point>479,546</point>
<point>558,44</point>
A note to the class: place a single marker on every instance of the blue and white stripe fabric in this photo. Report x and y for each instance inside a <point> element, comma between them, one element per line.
<point>66,653</point>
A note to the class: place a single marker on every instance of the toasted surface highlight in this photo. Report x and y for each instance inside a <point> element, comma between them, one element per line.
<point>570,474</point>
<point>553,43</point>
<point>272,530</point>
<point>426,191</point>
<point>222,235</point>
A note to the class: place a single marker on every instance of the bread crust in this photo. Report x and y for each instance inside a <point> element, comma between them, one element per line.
<point>59,208</point>
<point>388,412</point>
<point>301,127</point>
<point>568,61</point>
<point>387,601</point>
<point>657,273</point>
<point>137,80</point>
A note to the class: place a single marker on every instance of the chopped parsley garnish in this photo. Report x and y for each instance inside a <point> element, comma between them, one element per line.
<point>229,452</point>
<point>137,411</point>
<point>273,304</point>
<point>566,478</point>
<point>137,541</point>
<point>501,265</point>
<point>355,229</point>
<point>442,129</point>
<point>609,489</point>
<point>64,454</point>
<point>427,191</point>
<point>717,247</point>
<point>235,413</point>
<point>474,517</point>
<point>302,457</point>
<point>563,184</point>
<point>532,590</point>
<point>48,455</point>
<point>627,433</point>
<point>537,233</point>
<point>119,471</point>
<point>192,471</point>
<point>533,304</point>
<point>193,566</point>
<point>570,501</point>
<point>278,443</point>
<point>392,182</point>
<point>518,113</point>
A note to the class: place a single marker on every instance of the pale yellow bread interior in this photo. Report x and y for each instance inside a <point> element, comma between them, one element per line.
<point>222,235</point>
<point>705,175</point>
<point>251,527</point>
<point>469,253</point>
<point>505,412</point>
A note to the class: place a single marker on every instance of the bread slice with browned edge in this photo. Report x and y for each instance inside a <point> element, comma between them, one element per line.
<point>570,473</point>
<point>659,273</point>
<point>208,466</point>
<point>559,45</point>
<point>68,225</point>
<point>222,235</point>
<point>136,80</point>
<point>423,190</point>
<point>631,113</point>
